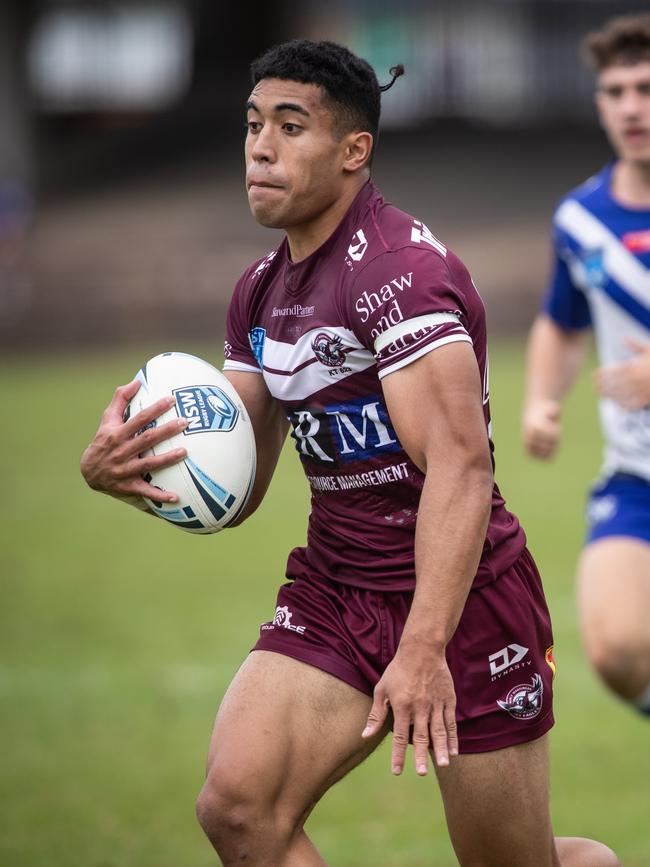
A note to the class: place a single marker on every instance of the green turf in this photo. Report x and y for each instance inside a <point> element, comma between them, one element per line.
<point>118,636</point>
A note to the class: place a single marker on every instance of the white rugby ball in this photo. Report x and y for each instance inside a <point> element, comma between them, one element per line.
<point>215,480</point>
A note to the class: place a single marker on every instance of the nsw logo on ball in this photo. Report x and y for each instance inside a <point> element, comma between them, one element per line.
<point>206,407</point>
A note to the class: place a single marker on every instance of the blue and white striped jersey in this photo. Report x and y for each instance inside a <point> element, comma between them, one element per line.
<point>602,278</point>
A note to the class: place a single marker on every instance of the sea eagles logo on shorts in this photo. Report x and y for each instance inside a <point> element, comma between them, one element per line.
<point>525,700</point>
<point>328,349</point>
<point>206,407</point>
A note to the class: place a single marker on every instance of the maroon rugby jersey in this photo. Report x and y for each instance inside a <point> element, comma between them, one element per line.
<point>379,293</point>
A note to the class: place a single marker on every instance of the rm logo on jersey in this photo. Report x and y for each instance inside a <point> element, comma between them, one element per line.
<point>347,432</point>
<point>206,407</point>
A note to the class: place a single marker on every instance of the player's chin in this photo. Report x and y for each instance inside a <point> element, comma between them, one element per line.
<point>270,218</point>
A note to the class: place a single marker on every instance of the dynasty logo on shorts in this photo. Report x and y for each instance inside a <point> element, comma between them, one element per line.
<point>525,700</point>
<point>506,660</point>
<point>206,407</point>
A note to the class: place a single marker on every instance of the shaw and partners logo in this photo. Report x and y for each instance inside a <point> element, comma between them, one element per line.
<point>294,310</point>
<point>347,432</point>
<point>206,407</point>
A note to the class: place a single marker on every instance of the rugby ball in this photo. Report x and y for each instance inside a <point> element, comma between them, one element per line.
<point>215,480</point>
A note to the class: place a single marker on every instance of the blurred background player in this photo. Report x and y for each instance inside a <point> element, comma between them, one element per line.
<point>389,332</point>
<point>601,280</point>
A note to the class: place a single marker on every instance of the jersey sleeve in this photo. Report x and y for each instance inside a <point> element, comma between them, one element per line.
<point>405,304</point>
<point>564,302</point>
<point>239,344</point>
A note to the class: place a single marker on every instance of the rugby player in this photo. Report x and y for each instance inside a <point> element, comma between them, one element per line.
<point>601,236</point>
<point>363,335</point>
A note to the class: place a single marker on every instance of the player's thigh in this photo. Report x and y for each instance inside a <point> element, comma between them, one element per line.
<point>285,732</point>
<point>614,593</point>
<point>497,807</point>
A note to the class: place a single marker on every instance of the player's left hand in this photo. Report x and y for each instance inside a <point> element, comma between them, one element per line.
<point>417,686</point>
<point>627,383</point>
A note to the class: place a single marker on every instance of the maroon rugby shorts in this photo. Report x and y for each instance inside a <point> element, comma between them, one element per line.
<point>500,657</point>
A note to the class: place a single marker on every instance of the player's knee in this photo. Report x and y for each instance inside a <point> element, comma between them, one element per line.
<point>581,852</point>
<point>608,858</point>
<point>226,811</point>
<point>621,663</point>
<point>232,813</point>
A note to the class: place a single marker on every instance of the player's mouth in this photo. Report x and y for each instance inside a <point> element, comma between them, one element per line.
<point>262,185</point>
<point>636,135</point>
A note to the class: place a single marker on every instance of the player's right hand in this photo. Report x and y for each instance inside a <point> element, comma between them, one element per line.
<point>112,462</point>
<point>541,428</point>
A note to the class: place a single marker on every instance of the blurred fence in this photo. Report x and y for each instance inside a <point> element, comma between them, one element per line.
<point>122,210</point>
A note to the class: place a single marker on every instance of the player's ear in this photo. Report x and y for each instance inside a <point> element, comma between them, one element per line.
<point>358,147</point>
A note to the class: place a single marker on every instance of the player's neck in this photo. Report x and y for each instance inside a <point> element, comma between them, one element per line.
<point>306,238</point>
<point>631,183</point>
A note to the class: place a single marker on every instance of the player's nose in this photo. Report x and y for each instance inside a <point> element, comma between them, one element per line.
<point>263,149</point>
<point>632,103</point>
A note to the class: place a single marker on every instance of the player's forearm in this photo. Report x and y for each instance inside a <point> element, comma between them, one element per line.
<point>554,358</point>
<point>453,517</point>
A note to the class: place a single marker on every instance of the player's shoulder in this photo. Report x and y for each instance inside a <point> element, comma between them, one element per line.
<point>253,274</point>
<point>591,195</point>
<point>390,238</point>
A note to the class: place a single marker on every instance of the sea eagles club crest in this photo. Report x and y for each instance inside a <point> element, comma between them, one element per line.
<point>525,700</point>
<point>328,349</point>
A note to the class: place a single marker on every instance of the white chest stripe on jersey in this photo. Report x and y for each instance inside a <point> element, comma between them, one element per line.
<point>611,322</point>
<point>622,265</point>
<point>293,371</point>
<point>286,358</point>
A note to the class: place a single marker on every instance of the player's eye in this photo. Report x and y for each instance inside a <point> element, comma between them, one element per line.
<point>644,88</point>
<point>253,126</point>
<point>613,92</point>
<point>291,128</point>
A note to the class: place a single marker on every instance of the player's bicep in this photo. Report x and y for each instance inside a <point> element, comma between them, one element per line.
<point>436,406</point>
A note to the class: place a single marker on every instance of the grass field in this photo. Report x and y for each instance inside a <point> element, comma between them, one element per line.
<point>119,634</point>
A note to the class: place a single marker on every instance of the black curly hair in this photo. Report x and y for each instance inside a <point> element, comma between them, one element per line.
<point>349,82</point>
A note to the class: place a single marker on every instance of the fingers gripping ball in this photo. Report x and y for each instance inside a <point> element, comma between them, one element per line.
<point>215,480</point>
